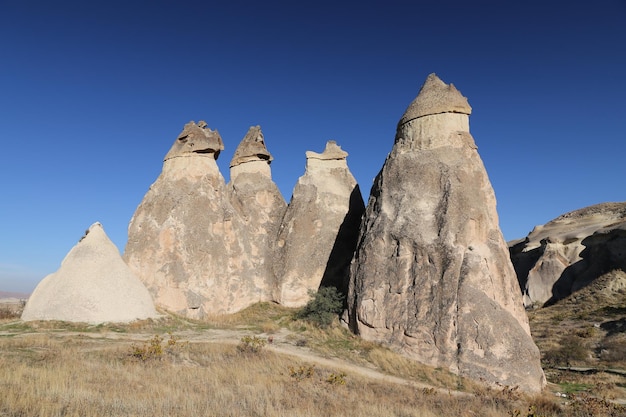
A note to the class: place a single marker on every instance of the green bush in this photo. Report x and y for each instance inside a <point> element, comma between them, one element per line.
<point>324,306</point>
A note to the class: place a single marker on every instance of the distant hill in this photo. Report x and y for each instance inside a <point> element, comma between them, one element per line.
<point>8,294</point>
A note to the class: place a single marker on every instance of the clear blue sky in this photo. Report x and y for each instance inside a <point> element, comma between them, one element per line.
<point>93,94</point>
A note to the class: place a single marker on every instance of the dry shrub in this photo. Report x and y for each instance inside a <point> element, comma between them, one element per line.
<point>572,349</point>
<point>613,349</point>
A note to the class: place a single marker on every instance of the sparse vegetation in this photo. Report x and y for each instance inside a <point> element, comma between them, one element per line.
<point>301,372</point>
<point>570,351</point>
<point>324,307</point>
<point>55,368</point>
<point>156,348</point>
<point>251,344</point>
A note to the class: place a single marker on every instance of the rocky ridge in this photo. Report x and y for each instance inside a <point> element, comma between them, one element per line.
<point>569,252</point>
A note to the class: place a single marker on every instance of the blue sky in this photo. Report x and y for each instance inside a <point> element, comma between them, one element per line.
<point>93,94</point>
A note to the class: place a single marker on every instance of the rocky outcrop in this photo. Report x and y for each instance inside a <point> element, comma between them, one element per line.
<point>431,276</point>
<point>318,234</point>
<point>261,206</point>
<point>93,285</point>
<point>184,239</point>
<point>569,252</point>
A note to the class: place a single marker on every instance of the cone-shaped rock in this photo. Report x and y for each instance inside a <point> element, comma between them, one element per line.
<point>318,234</point>
<point>93,285</point>
<point>432,276</point>
<point>184,241</point>
<point>260,204</point>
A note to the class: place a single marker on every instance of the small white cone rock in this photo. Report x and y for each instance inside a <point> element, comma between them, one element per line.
<point>93,285</point>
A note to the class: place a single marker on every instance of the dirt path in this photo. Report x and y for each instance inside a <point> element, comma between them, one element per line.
<point>281,344</point>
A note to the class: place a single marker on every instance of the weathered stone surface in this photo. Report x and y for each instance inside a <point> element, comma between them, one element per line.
<point>252,148</point>
<point>184,240</point>
<point>196,139</point>
<point>261,206</point>
<point>318,235</point>
<point>569,252</point>
<point>93,285</point>
<point>431,276</point>
<point>436,97</point>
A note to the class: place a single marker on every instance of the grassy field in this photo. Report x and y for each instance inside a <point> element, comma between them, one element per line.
<point>260,362</point>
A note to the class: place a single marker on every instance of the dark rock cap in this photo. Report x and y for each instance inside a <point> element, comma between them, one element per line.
<point>251,148</point>
<point>196,139</point>
<point>436,97</point>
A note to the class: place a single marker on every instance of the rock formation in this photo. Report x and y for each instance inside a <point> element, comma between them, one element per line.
<point>93,285</point>
<point>569,252</point>
<point>203,247</point>
<point>260,204</point>
<point>184,239</point>
<point>318,235</point>
<point>431,276</point>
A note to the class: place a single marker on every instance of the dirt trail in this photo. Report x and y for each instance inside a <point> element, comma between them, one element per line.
<point>281,344</point>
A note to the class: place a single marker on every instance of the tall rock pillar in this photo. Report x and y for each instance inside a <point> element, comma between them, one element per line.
<point>261,207</point>
<point>432,275</point>
<point>318,234</point>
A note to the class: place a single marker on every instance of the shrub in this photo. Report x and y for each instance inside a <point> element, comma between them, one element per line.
<point>251,344</point>
<point>154,349</point>
<point>324,306</point>
<point>337,379</point>
<point>572,349</point>
<point>301,372</point>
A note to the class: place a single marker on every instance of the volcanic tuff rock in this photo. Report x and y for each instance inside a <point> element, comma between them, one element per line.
<point>185,241</point>
<point>431,275</point>
<point>318,234</point>
<point>569,252</point>
<point>93,285</point>
<point>260,204</point>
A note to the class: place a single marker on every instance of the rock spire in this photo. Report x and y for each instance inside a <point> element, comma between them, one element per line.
<point>431,276</point>
<point>318,234</point>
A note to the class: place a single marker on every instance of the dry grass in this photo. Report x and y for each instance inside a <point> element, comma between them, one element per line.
<point>62,369</point>
<point>48,375</point>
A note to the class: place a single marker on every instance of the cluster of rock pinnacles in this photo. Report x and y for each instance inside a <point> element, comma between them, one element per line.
<point>424,266</point>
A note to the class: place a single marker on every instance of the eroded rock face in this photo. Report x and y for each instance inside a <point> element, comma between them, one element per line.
<point>318,235</point>
<point>431,275</point>
<point>261,206</point>
<point>185,241</point>
<point>93,285</point>
<point>569,252</point>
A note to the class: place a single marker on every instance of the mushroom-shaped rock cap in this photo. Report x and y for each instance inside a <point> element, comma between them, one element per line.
<point>436,97</point>
<point>332,151</point>
<point>196,139</point>
<point>251,148</point>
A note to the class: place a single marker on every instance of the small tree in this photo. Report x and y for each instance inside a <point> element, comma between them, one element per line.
<point>323,307</point>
